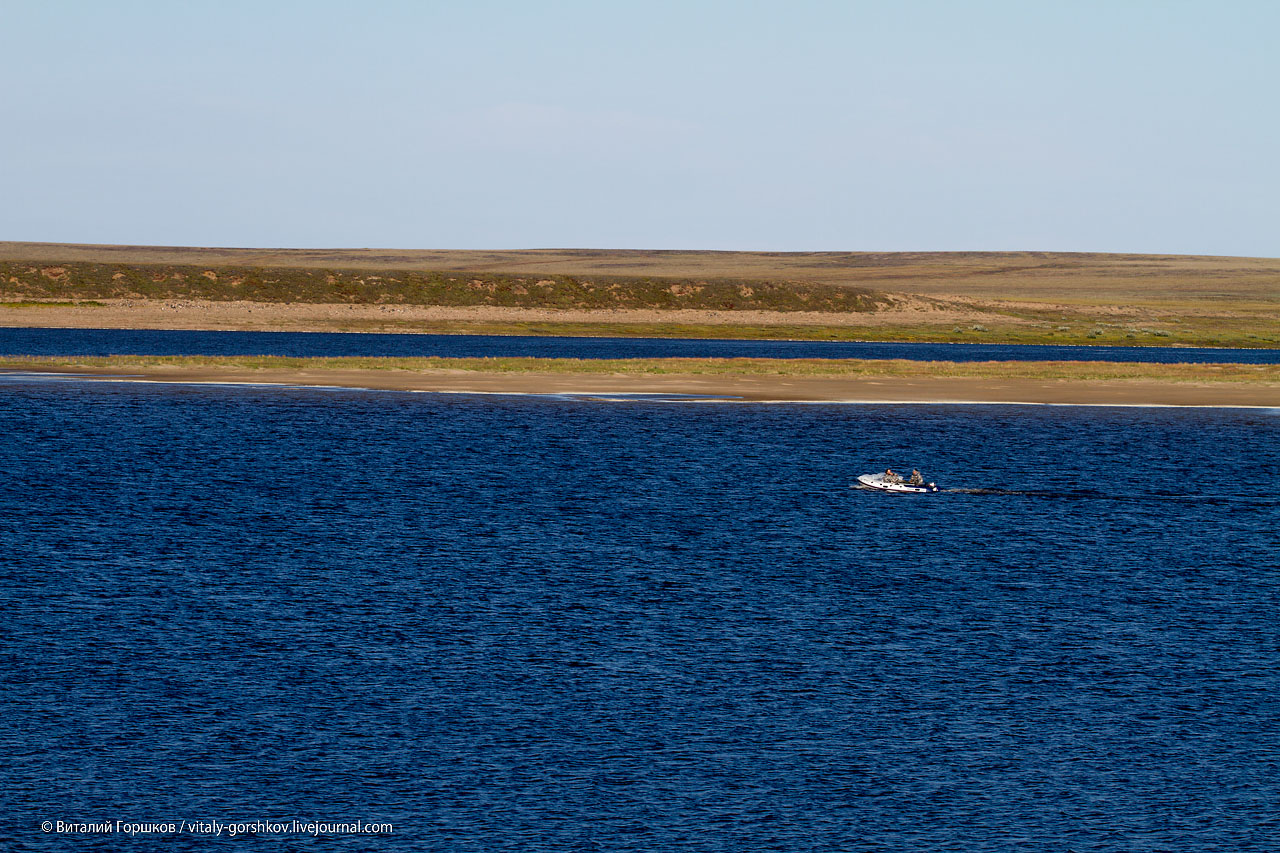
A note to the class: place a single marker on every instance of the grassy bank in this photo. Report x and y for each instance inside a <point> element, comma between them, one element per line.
<point>1075,331</point>
<point>1068,326</point>
<point>1080,371</point>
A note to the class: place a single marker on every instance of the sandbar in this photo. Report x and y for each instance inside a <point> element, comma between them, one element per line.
<point>747,388</point>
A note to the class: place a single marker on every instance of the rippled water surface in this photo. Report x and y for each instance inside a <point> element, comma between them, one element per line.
<point>98,342</point>
<point>534,625</point>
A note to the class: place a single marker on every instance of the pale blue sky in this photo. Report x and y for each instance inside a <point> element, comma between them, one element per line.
<point>1086,126</point>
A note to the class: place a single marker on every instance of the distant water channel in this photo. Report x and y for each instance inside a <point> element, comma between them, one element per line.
<point>102,342</point>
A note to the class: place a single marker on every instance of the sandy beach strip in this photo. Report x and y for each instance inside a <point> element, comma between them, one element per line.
<point>766,388</point>
<point>203,315</point>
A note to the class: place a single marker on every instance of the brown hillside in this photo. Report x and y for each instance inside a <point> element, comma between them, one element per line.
<point>1037,276</point>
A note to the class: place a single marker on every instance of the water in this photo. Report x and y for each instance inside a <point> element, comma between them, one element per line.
<point>532,625</point>
<point>102,342</point>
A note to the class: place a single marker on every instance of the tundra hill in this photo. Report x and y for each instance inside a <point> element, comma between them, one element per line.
<point>84,280</point>
<point>1056,277</point>
<point>989,297</point>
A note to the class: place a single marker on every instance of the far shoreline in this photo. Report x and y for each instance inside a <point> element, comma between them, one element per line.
<point>910,320</point>
<point>646,397</point>
<point>776,388</point>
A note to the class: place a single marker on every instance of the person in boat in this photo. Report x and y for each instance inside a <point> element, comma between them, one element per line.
<point>917,479</point>
<point>891,477</point>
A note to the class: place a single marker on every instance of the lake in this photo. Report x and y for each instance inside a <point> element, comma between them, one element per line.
<point>532,625</point>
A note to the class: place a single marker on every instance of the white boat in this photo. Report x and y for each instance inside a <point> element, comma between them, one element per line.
<point>878,482</point>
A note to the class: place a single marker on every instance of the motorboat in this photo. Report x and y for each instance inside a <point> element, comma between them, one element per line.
<point>879,483</point>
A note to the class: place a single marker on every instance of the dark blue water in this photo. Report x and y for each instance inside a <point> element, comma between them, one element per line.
<point>529,625</point>
<point>102,342</point>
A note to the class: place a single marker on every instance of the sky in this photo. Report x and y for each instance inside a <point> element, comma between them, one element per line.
<point>899,125</point>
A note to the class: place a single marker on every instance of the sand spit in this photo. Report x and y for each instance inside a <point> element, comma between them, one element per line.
<point>807,389</point>
<point>311,317</point>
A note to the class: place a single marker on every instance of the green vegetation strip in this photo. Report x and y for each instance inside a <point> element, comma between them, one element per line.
<point>899,368</point>
<point>80,280</point>
<point>46,303</point>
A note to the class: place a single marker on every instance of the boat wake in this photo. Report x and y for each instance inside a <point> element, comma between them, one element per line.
<point>1042,493</point>
<point>1141,496</point>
